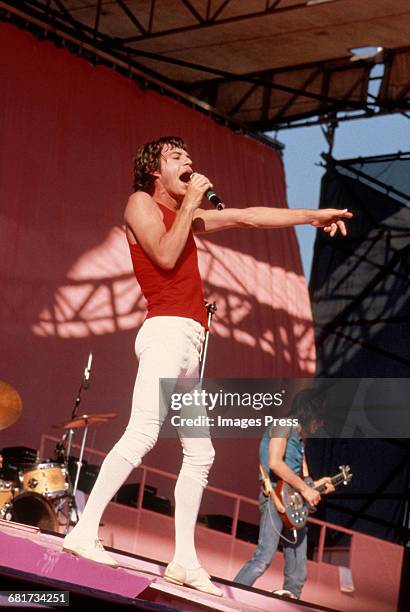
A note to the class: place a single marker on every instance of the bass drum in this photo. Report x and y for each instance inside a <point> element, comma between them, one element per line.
<point>33,509</point>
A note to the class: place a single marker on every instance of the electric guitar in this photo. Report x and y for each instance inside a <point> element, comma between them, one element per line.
<point>291,505</point>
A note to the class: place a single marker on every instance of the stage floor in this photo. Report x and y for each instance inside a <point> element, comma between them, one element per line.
<point>28,555</point>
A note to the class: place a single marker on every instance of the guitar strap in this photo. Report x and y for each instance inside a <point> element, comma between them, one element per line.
<point>268,490</point>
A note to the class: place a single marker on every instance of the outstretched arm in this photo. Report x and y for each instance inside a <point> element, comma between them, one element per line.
<point>264,217</point>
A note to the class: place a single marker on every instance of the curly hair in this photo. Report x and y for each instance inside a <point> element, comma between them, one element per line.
<point>148,160</point>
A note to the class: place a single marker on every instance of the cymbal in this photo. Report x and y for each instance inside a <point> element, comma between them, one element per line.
<point>11,405</point>
<point>86,419</point>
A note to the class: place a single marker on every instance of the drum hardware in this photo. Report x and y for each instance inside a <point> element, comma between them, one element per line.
<point>30,500</point>
<point>63,448</point>
<point>6,511</point>
<point>39,493</point>
<point>8,490</point>
<point>25,507</point>
<point>84,421</point>
<point>88,474</point>
<point>62,508</point>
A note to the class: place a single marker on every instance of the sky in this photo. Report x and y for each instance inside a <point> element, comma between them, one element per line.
<point>303,146</point>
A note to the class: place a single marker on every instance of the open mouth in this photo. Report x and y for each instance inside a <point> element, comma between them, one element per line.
<point>185,176</point>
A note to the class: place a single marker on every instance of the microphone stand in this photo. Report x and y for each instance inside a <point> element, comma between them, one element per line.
<point>85,383</point>
<point>72,505</point>
<point>211,309</point>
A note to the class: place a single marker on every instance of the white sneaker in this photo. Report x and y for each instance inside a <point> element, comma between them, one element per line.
<point>196,578</point>
<point>285,593</point>
<point>94,551</point>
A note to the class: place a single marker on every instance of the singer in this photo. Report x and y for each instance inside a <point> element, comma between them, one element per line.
<point>161,218</point>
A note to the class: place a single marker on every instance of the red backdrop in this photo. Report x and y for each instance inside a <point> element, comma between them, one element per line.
<point>68,134</point>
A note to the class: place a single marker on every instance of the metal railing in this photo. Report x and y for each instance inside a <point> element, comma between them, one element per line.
<point>238,499</point>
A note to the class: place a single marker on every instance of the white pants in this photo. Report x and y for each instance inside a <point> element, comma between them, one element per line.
<point>167,347</point>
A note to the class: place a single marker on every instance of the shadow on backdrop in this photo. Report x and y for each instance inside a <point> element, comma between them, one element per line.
<point>66,276</point>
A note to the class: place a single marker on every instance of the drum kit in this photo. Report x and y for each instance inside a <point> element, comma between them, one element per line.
<point>41,492</point>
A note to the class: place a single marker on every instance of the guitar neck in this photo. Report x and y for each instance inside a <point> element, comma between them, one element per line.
<point>335,480</point>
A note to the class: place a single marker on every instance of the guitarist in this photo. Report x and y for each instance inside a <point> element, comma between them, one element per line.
<point>282,455</point>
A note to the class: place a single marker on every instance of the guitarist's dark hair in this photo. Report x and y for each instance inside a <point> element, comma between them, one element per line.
<point>307,405</point>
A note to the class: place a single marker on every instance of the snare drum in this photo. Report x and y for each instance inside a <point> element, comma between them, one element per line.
<point>47,479</point>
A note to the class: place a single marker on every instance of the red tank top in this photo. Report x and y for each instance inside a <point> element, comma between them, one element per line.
<point>177,292</point>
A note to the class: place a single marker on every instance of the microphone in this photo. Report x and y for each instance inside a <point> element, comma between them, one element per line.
<point>87,371</point>
<point>214,199</point>
<point>209,193</point>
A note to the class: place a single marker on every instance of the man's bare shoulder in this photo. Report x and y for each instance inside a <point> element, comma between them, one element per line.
<point>142,217</point>
<point>140,202</point>
<point>140,198</point>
